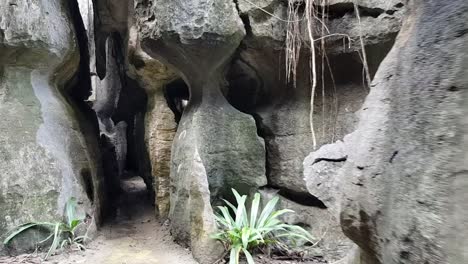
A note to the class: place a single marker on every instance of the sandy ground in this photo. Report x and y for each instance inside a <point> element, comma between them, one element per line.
<point>134,237</point>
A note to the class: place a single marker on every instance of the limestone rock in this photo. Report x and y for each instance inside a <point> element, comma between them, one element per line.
<point>411,144</point>
<point>44,157</point>
<point>160,121</point>
<point>320,174</point>
<point>197,218</point>
<point>406,162</point>
<point>206,32</point>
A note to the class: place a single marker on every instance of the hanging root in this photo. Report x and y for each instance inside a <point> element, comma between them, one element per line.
<point>293,42</point>
<point>364,55</point>
<point>293,49</point>
<point>313,67</point>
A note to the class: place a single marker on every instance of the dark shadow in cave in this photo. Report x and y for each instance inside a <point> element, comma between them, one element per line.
<point>76,92</point>
<point>177,95</point>
<point>134,195</point>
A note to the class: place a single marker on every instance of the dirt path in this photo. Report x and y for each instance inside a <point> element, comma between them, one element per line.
<point>135,237</point>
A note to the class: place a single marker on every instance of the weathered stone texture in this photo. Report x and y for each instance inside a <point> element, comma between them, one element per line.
<point>406,161</point>
<point>44,158</point>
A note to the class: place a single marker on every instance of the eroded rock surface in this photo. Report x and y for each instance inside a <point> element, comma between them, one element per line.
<point>207,32</point>
<point>160,120</point>
<point>44,157</point>
<point>406,162</point>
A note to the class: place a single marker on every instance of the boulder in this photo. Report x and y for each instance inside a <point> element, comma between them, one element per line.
<point>44,157</point>
<point>402,181</point>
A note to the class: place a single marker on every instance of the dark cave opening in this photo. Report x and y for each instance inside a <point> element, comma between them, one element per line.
<point>134,191</point>
<point>177,95</point>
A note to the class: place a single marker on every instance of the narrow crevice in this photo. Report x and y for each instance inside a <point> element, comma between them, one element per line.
<point>305,199</point>
<point>245,19</point>
<point>76,93</point>
<point>88,183</point>
<point>342,159</point>
<point>340,10</point>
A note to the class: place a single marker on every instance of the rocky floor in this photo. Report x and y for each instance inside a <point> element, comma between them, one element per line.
<point>136,236</point>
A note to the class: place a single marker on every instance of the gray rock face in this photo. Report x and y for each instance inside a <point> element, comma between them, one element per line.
<point>282,109</point>
<point>232,155</point>
<point>378,22</point>
<point>407,160</point>
<point>44,158</point>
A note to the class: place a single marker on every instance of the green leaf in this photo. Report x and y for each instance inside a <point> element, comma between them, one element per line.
<point>227,216</point>
<point>254,210</point>
<point>266,212</point>
<point>245,237</point>
<point>55,242</point>
<point>75,223</point>
<point>230,205</point>
<point>240,211</point>
<point>248,256</point>
<point>22,228</point>
<point>70,210</point>
<point>233,256</point>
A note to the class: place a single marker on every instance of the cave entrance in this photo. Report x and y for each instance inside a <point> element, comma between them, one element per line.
<point>129,181</point>
<point>177,95</point>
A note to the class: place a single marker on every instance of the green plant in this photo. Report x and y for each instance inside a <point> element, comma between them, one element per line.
<point>245,232</point>
<point>62,233</point>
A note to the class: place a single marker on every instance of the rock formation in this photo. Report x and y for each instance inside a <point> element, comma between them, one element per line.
<point>44,156</point>
<point>406,162</point>
<point>230,151</point>
<point>194,96</point>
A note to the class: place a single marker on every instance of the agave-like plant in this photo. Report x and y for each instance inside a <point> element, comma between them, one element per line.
<point>62,233</point>
<point>244,232</point>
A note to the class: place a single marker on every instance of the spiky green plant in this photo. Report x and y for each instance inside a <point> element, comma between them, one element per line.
<point>245,232</point>
<point>62,233</point>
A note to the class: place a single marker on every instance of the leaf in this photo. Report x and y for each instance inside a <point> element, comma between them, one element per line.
<point>221,221</point>
<point>71,211</point>
<point>240,211</point>
<point>245,237</point>
<point>47,238</point>
<point>80,238</point>
<point>248,256</point>
<point>266,212</point>
<point>22,228</point>
<point>55,242</point>
<point>75,223</point>
<point>232,256</point>
<point>230,205</point>
<point>254,210</point>
<point>63,244</point>
<point>278,214</point>
<point>227,216</point>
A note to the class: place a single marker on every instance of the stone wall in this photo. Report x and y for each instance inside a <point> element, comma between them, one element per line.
<point>44,157</point>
